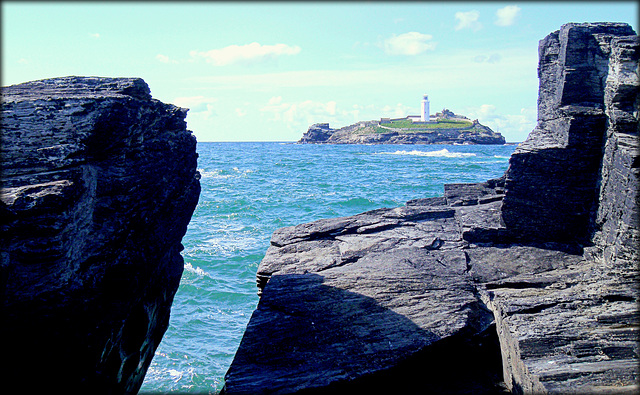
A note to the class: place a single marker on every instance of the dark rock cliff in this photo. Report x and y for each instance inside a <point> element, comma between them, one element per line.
<point>555,171</point>
<point>99,182</point>
<point>526,283</point>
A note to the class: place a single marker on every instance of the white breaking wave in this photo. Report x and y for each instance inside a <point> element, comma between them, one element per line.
<point>196,270</point>
<point>235,172</point>
<point>443,153</point>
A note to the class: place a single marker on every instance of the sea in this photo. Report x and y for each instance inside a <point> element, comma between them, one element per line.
<point>251,189</point>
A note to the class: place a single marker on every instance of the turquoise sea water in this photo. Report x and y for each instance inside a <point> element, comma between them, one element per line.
<point>251,189</point>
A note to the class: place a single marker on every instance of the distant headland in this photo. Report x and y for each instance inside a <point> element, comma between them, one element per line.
<point>444,127</point>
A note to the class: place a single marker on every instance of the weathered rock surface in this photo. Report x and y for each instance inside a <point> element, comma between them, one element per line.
<point>539,265</point>
<point>344,298</point>
<point>576,179</point>
<point>554,172</point>
<point>99,182</point>
<point>370,133</point>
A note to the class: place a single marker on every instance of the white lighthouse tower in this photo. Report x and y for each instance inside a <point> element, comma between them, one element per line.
<point>424,115</point>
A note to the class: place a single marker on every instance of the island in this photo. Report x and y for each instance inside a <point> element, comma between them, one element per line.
<point>444,127</point>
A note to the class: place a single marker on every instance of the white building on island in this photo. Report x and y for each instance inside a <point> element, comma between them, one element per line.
<point>424,114</point>
<point>426,117</point>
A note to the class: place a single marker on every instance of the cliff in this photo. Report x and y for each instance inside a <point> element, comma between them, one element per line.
<point>99,182</point>
<point>374,132</point>
<point>526,283</point>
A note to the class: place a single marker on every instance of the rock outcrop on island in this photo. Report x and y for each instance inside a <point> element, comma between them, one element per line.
<point>375,132</point>
<point>526,283</point>
<point>99,182</point>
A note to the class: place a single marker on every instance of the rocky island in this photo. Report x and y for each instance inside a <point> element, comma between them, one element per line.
<point>442,128</point>
<point>527,283</point>
<point>99,182</point>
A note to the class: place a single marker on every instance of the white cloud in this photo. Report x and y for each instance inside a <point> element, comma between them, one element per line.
<point>515,127</point>
<point>94,35</point>
<point>412,43</point>
<point>297,79</point>
<point>493,58</point>
<point>274,101</point>
<point>514,72</point>
<point>194,103</point>
<point>468,20</point>
<point>164,59</point>
<point>301,113</point>
<point>507,16</point>
<point>448,72</point>
<point>201,105</point>
<point>484,112</point>
<point>397,111</point>
<point>297,116</point>
<point>243,53</point>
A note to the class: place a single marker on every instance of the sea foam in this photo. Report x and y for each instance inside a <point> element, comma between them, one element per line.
<point>443,153</point>
<point>195,270</point>
<point>223,174</point>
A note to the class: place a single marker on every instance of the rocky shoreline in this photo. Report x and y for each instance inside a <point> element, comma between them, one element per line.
<point>538,266</point>
<point>374,132</point>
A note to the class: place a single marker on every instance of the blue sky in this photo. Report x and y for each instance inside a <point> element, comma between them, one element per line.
<point>265,71</point>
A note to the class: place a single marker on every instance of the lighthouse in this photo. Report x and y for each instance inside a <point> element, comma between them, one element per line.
<point>424,115</point>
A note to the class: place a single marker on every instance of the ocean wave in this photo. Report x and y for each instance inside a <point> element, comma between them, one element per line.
<point>220,173</point>
<point>356,202</point>
<point>501,157</point>
<point>237,214</point>
<point>195,270</point>
<point>443,153</point>
<point>173,379</point>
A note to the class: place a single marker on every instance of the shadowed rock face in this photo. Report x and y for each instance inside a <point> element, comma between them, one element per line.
<point>555,172</point>
<point>548,253</point>
<point>350,297</point>
<point>99,183</point>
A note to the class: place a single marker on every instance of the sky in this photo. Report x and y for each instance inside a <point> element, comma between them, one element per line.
<point>266,71</point>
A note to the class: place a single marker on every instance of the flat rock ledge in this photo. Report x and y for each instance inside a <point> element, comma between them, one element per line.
<point>402,291</point>
<point>526,284</point>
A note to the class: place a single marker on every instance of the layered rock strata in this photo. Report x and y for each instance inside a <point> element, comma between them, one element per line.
<point>99,182</point>
<point>539,266</point>
<point>554,172</point>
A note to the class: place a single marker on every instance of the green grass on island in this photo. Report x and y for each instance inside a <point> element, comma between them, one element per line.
<point>406,126</point>
<point>441,124</point>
